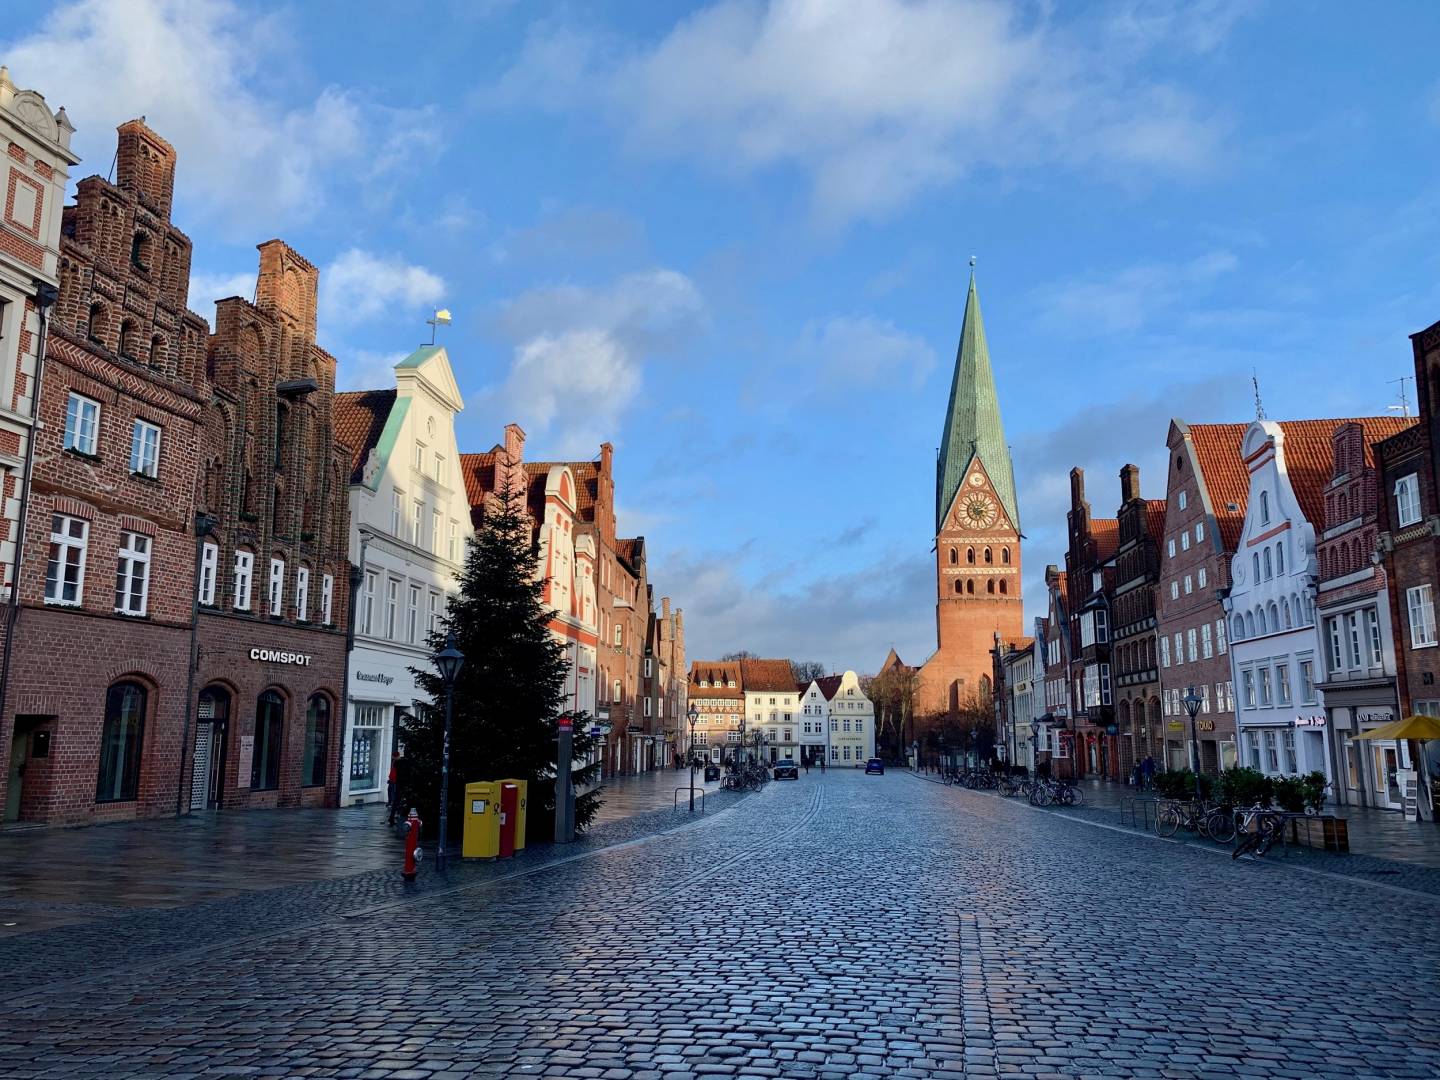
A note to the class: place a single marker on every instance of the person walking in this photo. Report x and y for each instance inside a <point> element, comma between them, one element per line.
<point>390,781</point>
<point>1147,771</point>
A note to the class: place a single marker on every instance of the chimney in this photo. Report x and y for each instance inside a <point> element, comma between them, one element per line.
<point>145,166</point>
<point>665,608</point>
<point>287,286</point>
<point>1129,484</point>
<point>1077,486</point>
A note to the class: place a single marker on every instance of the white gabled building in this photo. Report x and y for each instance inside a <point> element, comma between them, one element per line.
<point>409,523</point>
<point>1275,653</point>
<point>814,724</point>
<point>850,719</point>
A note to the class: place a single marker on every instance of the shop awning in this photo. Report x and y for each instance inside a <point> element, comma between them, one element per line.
<point>1412,727</point>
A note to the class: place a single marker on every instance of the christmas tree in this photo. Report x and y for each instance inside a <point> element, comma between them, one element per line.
<point>510,694</point>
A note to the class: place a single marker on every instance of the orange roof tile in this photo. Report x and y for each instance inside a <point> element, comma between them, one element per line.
<point>767,675</point>
<point>1155,517</point>
<point>713,671</point>
<point>586,474</point>
<point>478,471</point>
<point>360,417</point>
<point>1106,532</point>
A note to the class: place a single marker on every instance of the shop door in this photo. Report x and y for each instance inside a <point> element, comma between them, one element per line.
<point>207,773</point>
<point>1388,779</point>
<point>19,750</point>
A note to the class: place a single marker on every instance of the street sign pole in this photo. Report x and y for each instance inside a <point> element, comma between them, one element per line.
<point>564,785</point>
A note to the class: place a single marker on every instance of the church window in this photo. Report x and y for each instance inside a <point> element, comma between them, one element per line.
<point>1005,556</point>
<point>970,556</point>
<point>990,586</point>
<point>970,587</point>
<point>140,252</point>
<point>989,558</point>
<point>1003,587</point>
<point>957,586</point>
<point>954,556</point>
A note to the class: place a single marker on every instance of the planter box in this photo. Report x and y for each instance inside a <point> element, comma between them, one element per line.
<point>1324,832</point>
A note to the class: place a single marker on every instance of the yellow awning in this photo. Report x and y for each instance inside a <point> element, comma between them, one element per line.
<point>1412,727</point>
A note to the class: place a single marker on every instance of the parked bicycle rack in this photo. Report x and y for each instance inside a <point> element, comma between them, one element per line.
<point>675,802</point>
<point>1139,812</point>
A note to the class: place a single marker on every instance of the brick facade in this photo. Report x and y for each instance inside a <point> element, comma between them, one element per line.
<point>1136,667</point>
<point>1090,579</point>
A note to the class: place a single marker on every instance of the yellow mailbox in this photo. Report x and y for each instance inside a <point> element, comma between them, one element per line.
<point>524,786</point>
<point>482,820</point>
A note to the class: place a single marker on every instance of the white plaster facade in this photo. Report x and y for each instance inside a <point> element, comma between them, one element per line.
<point>1017,739</point>
<point>32,195</point>
<point>1275,655</point>
<point>814,724</point>
<point>409,524</point>
<point>851,727</point>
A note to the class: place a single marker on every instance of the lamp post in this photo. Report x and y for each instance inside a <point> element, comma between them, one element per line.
<point>1191,701</point>
<point>692,716</point>
<point>449,661</point>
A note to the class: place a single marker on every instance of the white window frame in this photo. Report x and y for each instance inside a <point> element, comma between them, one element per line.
<point>1185,540</point>
<point>1199,531</point>
<point>244,580</point>
<point>1164,650</point>
<point>82,424</point>
<point>397,513</point>
<point>392,606</point>
<point>209,571</point>
<point>1407,500</point>
<point>302,593</point>
<point>1420,603</point>
<point>1282,683</point>
<point>1207,646</point>
<point>277,586</point>
<point>417,522</point>
<point>412,616</point>
<point>1200,578</point>
<point>1170,548</point>
<point>1222,645</point>
<point>1181,498</point>
<point>145,449</point>
<point>435,608</point>
<point>132,568</point>
<point>454,540</point>
<point>327,596</point>
<point>367,603</point>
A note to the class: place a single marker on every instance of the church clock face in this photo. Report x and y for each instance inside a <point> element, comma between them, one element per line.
<point>977,510</point>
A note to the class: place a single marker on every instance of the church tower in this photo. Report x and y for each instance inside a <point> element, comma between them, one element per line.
<point>977,529</point>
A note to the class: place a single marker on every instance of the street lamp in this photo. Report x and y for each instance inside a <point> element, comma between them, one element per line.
<point>692,716</point>
<point>1192,701</point>
<point>448,660</point>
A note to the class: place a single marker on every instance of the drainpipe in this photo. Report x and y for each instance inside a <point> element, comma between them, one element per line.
<point>204,525</point>
<point>357,578</point>
<point>45,297</point>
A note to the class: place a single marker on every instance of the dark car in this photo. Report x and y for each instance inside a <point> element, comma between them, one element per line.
<point>786,770</point>
<point>876,766</point>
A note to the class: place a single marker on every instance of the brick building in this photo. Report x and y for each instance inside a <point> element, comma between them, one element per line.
<point>1357,648</point>
<point>1206,494</point>
<point>34,171</point>
<point>274,578</point>
<point>1055,730</point>
<point>719,703</point>
<point>1409,542</point>
<point>1090,579</point>
<point>1136,664</point>
<point>100,656</point>
<point>666,643</point>
<point>977,533</point>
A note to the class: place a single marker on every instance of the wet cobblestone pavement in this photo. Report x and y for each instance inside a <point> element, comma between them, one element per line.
<point>839,927</point>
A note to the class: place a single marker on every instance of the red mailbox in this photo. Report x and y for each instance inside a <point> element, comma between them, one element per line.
<point>509,811</point>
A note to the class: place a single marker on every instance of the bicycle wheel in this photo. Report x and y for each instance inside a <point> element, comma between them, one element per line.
<point>1272,831</point>
<point>1167,822</point>
<point>1071,796</point>
<point>1220,826</point>
<point>1245,843</point>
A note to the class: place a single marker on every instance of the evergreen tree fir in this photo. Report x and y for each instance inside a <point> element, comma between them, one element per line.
<point>510,694</point>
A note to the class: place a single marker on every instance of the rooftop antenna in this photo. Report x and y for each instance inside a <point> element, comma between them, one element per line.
<point>442,318</point>
<point>1404,407</point>
<point>1259,405</point>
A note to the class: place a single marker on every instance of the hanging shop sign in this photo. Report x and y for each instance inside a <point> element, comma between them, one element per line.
<point>277,656</point>
<point>1310,721</point>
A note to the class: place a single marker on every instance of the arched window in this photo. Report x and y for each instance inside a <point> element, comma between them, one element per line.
<point>1005,555</point>
<point>121,739</point>
<point>990,586</point>
<point>1239,629</point>
<point>1285,611</point>
<point>1344,509</point>
<point>1249,624</point>
<point>127,340</point>
<point>1260,621</point>
<point>317,741</point>
<point>157,353</point>
<point>95,322</point>
<point>269,733</point>
<point>1280,557</point>
<point>988,558</point>
<point>1299,610</point>
<point>957,586</point>
<point>140,251</point>
<point>954,557</point>
<point>1004,588</point>
<point>1255,558</point>
<point>970,587</point>
<point>1274,620</point>
<point>282,417</point>
<point>1264,508</point>
<point>970,556</point>
<point>1269,566</point>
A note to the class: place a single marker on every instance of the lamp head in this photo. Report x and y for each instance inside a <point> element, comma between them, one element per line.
<point>1191,701</point>
<point>449,661</point>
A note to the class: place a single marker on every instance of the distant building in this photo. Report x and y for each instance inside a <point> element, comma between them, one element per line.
<point>772,705</point>
<point>719,702</point>
<point>1135,668</point>
<point>1090,578</point>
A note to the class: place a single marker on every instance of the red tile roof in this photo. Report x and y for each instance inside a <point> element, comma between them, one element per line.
<point>478,470</point>
<point>1106,532</point>
<point>360,417</point>
<point>1155,517</point>
<point>1227,482</point>
<point>586,474</point>
<point>769,675</point>
<point>713,671</point>
<point>829,685</point>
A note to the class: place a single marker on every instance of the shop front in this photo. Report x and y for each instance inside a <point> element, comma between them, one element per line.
<point>382,693</point>
<point>265,732</point>
<point>1367,771</point>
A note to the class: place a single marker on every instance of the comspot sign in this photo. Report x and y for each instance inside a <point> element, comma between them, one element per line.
<point>276,656</point>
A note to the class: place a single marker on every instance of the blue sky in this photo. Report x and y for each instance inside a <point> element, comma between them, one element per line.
<point>732,238</point>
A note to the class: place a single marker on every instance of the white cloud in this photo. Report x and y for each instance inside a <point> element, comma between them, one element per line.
<point>192,68</point>
<point>1125,301</point>
<point>580,352</point>
<point>206,288</point>
<point>359,285</point>
<point>846,352</point>
<point>364,370</point>
<point>878,100</point>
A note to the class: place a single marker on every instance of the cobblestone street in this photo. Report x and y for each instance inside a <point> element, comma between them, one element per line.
<point>841,926</point>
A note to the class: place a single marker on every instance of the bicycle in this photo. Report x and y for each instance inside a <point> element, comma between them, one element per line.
<point>1260,828</point>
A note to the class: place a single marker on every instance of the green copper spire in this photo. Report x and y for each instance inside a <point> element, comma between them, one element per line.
<point>972,421</point>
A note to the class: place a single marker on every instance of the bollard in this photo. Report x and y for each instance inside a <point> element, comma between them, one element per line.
<point>412,845</point>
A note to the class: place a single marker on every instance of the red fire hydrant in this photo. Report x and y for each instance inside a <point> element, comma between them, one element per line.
<point>412,845</point>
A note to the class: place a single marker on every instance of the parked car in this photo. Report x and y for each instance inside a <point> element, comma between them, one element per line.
<point>876,766</point>
<point>786,770</point>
